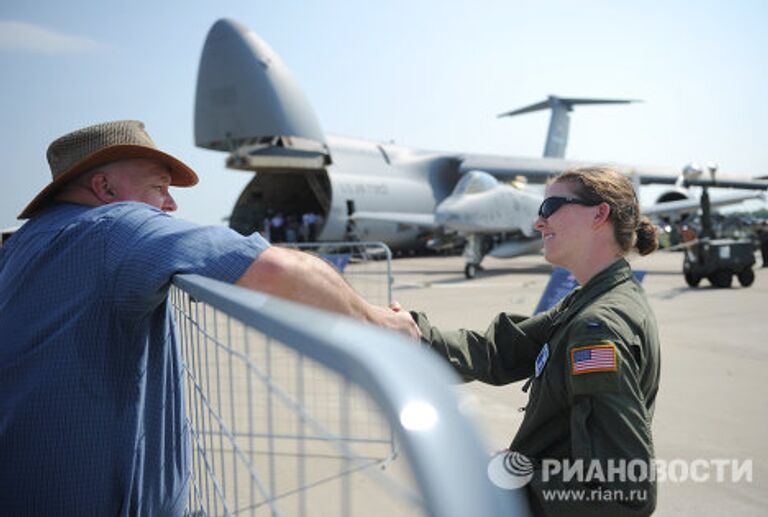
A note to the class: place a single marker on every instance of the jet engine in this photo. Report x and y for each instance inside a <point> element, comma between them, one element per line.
<point>690,172</point>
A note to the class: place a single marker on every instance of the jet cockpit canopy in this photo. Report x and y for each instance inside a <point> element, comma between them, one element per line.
<point>475,182</point>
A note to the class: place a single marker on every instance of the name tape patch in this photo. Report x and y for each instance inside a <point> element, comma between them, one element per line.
<point>593,358</point>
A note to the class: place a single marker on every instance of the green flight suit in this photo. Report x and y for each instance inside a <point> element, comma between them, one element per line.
<point>577,410</point>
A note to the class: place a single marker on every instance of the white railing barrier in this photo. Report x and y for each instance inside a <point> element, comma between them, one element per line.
<point>295,411</point>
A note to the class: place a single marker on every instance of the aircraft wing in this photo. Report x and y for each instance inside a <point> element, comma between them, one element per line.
<point>687,206</point>
<point>410,219</point>
<point>539,170</point>
<point>744,184</point>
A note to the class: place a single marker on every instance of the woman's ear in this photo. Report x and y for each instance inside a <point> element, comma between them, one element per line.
<point>602,214</point>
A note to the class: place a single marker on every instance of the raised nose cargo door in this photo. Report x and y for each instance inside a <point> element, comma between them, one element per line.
<point>249,105</point>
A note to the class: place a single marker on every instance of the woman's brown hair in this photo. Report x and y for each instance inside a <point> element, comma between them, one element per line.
<point>603,184</point>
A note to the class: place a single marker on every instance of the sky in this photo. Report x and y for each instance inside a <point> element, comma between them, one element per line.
<point>431,74</point>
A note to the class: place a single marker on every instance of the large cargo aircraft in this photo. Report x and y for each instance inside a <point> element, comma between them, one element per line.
<point>249,106</point>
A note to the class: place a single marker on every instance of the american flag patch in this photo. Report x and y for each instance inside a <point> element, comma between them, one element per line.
<point>593,358</point>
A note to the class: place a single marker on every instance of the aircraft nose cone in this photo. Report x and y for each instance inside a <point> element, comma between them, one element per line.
<point>447,214</point>
<point>444,217</point>
<point>245,92</point>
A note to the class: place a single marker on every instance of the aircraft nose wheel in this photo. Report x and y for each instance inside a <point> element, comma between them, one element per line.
<point>470,270</point>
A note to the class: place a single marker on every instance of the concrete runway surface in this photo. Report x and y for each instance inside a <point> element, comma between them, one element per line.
<point>711,404</point>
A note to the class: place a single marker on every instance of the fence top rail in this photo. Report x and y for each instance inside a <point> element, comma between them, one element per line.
<point>370,244</point>
<point>374,245</point>
<point>445,450</point>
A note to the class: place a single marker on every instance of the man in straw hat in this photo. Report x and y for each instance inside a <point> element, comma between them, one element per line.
<point>91,411</point>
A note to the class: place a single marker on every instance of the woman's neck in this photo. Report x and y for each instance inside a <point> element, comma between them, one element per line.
<point>599,261</point>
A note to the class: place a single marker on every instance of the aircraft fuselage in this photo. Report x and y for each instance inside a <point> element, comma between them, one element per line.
<point>364,177</point>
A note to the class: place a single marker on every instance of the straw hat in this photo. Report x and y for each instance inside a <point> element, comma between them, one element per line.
<point>93,146</point>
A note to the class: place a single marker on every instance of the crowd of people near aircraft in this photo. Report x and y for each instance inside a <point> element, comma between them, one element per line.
<point>291,227</point>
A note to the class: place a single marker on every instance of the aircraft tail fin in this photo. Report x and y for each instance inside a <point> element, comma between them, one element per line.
<point>557,135</point>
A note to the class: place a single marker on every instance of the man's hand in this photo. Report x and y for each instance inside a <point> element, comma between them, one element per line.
<point>397,320</point>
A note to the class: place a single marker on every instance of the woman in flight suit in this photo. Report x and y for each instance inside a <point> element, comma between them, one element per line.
<point>592,360</point>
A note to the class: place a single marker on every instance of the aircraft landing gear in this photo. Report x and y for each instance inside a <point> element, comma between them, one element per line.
<point>471,269</point>
<point>474,251</point>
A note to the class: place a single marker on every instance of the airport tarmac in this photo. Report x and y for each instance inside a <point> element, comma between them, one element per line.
<point>714,361</point>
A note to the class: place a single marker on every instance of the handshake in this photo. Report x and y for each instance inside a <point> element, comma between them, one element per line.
<point>397,319</point>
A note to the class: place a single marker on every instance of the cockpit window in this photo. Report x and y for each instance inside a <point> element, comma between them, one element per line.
<point>474,182</point>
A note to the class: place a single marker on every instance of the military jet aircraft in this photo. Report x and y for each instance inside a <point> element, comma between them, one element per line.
<point>497,219</point>
<point>249,106</point>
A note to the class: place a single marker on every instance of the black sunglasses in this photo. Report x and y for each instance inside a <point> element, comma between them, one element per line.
<point>552,204</point>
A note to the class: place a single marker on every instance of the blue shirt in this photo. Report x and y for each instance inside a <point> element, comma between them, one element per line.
<point>92,417</point>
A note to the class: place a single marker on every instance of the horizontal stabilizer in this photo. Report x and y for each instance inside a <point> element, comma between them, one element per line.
<point>566,102</point>
<point>557,134</point>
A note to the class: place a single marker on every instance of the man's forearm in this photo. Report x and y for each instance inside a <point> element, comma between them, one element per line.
<point>303,278</point>
<point>307,279</point>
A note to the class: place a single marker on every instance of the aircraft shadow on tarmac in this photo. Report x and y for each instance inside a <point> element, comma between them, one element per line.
<point>671,293</point>
<point>544,269</point>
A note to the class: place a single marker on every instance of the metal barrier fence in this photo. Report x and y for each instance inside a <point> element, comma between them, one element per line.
<point>367,266</point>
<point>295,411</point>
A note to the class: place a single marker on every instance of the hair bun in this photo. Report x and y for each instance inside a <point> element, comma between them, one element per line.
<point>647,238</point>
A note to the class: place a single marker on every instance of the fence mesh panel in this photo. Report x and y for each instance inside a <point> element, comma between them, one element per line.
<point>273,432</point>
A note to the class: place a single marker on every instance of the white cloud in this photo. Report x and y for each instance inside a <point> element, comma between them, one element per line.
<point>34,38</point>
